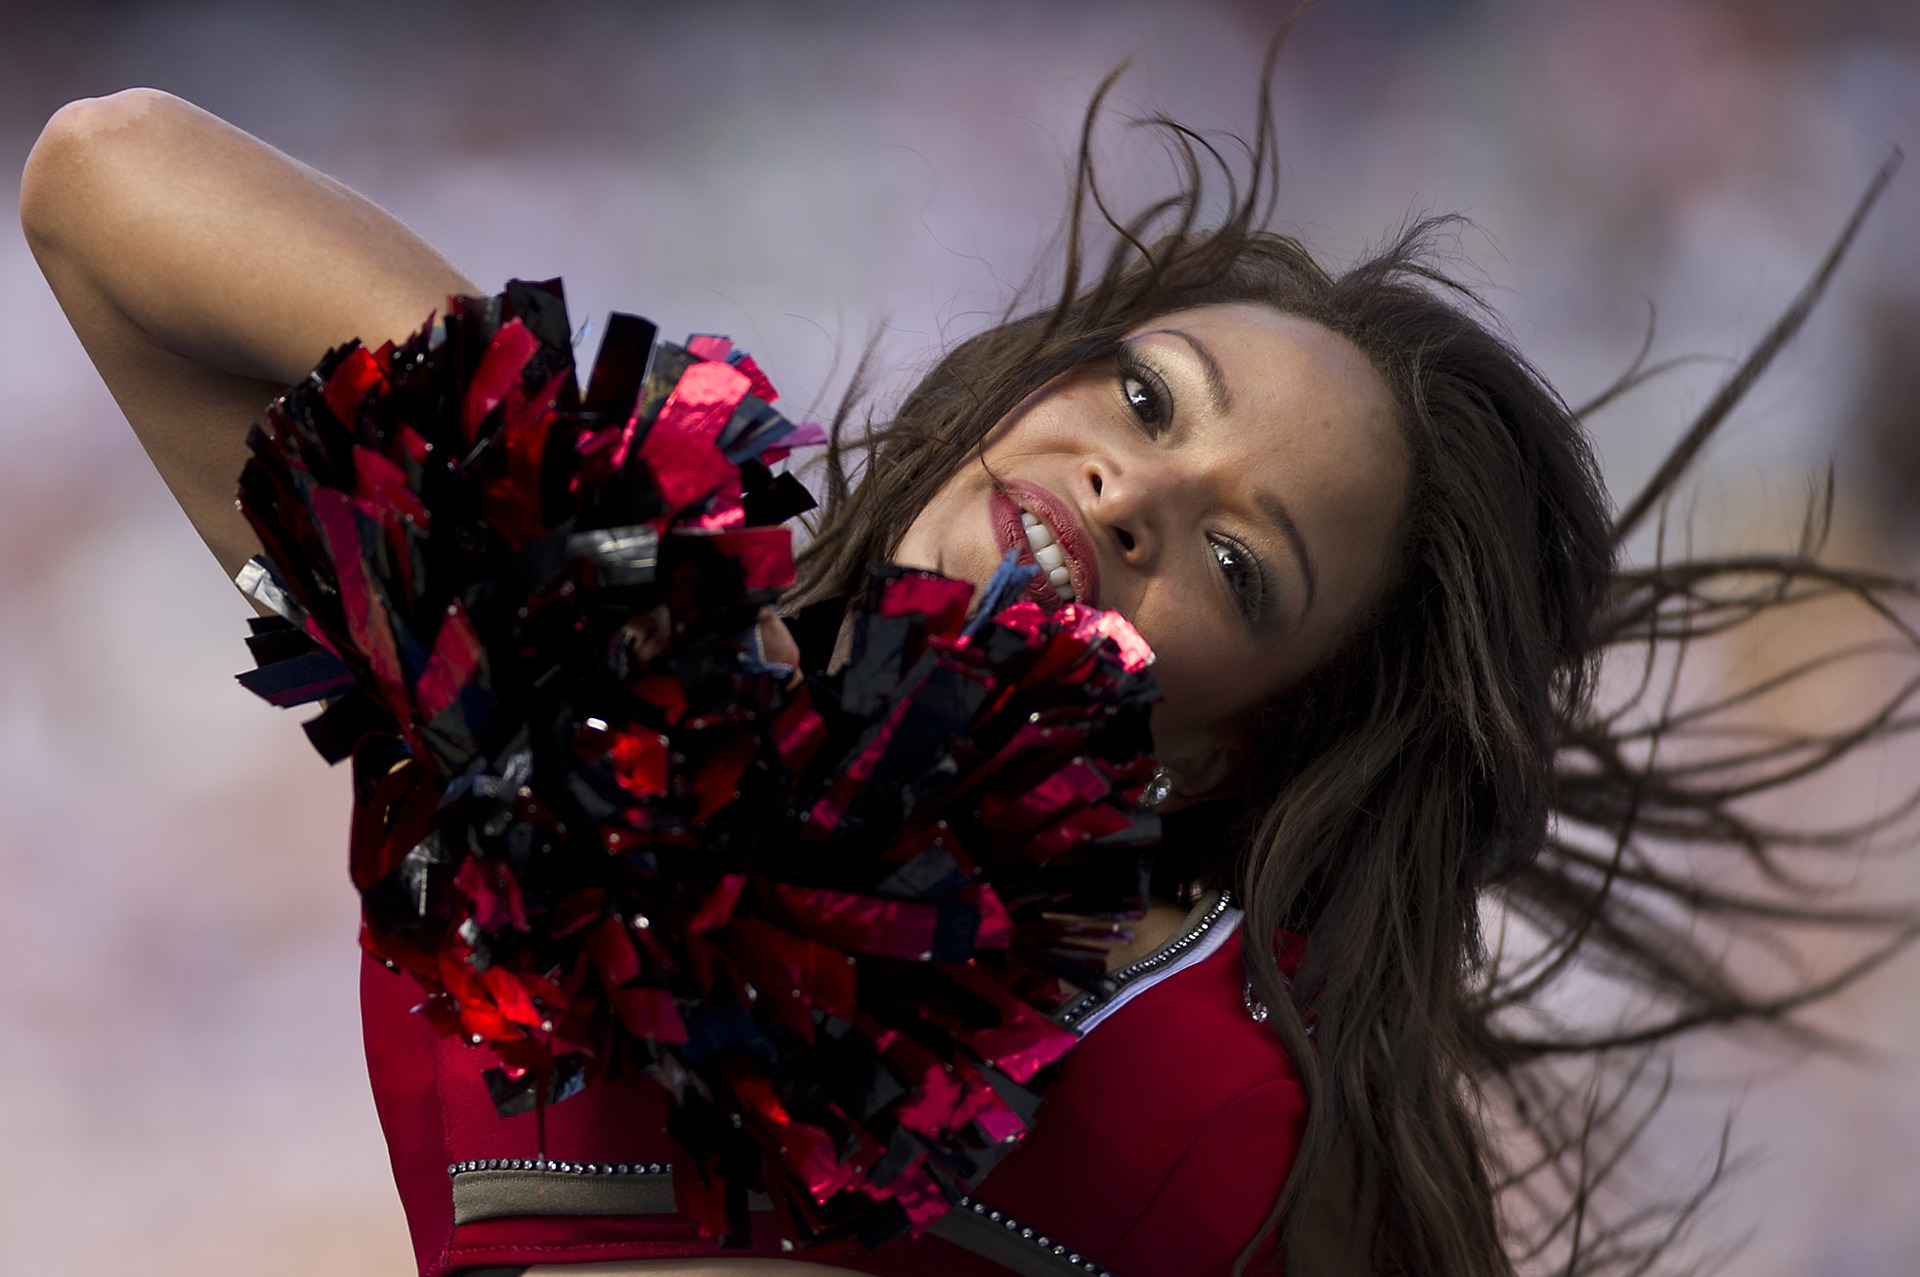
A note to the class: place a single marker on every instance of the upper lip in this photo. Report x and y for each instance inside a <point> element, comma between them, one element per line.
<point>1083,566</point>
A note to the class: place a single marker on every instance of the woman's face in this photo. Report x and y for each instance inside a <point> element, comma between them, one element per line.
<point>1231,484</point>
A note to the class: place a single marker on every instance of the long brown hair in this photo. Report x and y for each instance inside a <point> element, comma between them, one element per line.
<point>1448,758</point>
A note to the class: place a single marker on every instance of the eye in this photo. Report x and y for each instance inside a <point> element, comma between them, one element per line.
<point>1144,391</point>
<point>1242,572</point>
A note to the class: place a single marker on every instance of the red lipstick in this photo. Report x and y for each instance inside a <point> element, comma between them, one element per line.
<point>1083,567</point>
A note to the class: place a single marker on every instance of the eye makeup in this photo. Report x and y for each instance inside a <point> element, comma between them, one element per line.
<point>1147,396</point>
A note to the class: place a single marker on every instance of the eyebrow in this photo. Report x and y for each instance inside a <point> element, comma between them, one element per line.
<point>1216,380</point>
<point>1276,511</point>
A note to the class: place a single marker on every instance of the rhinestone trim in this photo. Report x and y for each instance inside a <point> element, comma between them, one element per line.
<point>1087,1003</point>
<point>560,1168</point>
<point>1013,1226</point>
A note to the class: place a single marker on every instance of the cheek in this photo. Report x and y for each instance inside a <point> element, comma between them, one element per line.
<point>1197,695</point>
<point>928,541</point>
<point>1210,678</point>
<point>919,547</point>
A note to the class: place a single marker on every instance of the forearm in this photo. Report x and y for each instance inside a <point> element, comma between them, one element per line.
<point>202,270</point>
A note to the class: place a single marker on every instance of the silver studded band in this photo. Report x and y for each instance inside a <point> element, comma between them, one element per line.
<point>1017,1247</point>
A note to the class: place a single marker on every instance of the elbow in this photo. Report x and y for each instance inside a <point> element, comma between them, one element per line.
<point>74,154</point>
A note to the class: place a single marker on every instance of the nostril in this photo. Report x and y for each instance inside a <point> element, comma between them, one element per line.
<point>1125,538</point>
<point>1096,485</point>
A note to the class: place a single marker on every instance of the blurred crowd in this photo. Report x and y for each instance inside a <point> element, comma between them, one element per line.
<point>181,1089</point>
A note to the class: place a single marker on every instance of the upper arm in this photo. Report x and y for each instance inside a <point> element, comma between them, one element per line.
<point>204,270</point>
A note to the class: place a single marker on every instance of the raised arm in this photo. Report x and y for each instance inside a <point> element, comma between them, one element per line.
<point>203,271</point>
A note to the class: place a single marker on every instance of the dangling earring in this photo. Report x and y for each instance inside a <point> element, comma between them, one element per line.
<point>1158,789</point>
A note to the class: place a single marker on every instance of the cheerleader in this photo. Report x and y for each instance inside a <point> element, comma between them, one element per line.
<point>1371,552</point>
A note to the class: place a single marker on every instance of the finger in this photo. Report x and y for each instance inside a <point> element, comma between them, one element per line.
<point>777,644</point>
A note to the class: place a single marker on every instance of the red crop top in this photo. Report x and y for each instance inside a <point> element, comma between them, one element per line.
<point>1158,1152</point>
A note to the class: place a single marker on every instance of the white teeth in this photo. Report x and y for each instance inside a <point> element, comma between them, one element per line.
<point>1047,552</point>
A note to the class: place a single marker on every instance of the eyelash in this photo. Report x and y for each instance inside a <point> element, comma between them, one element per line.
<point>1153,409</point>
<point>1244,578</point>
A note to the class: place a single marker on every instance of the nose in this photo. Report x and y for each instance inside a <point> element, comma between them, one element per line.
<point>1136,502</point>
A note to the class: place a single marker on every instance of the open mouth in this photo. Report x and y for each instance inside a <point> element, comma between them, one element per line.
<point>1047,533</point>
<point>1048,554</point>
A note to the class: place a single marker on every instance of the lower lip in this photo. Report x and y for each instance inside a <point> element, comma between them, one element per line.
<point>1011,533</point>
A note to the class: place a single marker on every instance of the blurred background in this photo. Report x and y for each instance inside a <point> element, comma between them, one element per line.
<point>181,1087</point>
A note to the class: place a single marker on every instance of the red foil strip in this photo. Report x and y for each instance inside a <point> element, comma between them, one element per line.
<point>942,600</point>
<point>1018,816</point>
<point>825,814</point>
<point>412,446</point>
<point>649,1013</point>
<point>495,893</point>
<point>1076,830</point>
<point>799,730</point>
<point>640,762</point>
<point>379,481</point>
<point>511,997</point>
<point>864,924</point>
<point>1025,618</point>
<point>498,372</point>
<point>390,821</point>
<point>808,434</point>
<point>718,907</point>
<point>809,1153</point>
<point>919,1195</point>
<point>1135,654</point>
<point>513,502</point>
<point>981,1105</point>
<point>789,966</point>
<point>367,624</point>
<point>687,467</point>
<point>757,384</point>
<point>937,1093</point>
<point>699,1198</point>
<point>457,657</point>
<point>996,924</point>
<point>602,453</point>
<point>613,952</point>
<point>764,554</point>
<point>360,374</point>
<point>473,1003</point>
<point>1024,1042</point>
<point>1062,660</point>
<point>714,347</point>
<point>665,694</point>
<point>702,401</point>
<point>716,781</point>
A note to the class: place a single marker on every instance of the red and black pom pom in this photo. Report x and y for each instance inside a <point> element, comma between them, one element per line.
<point>830,916</point>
